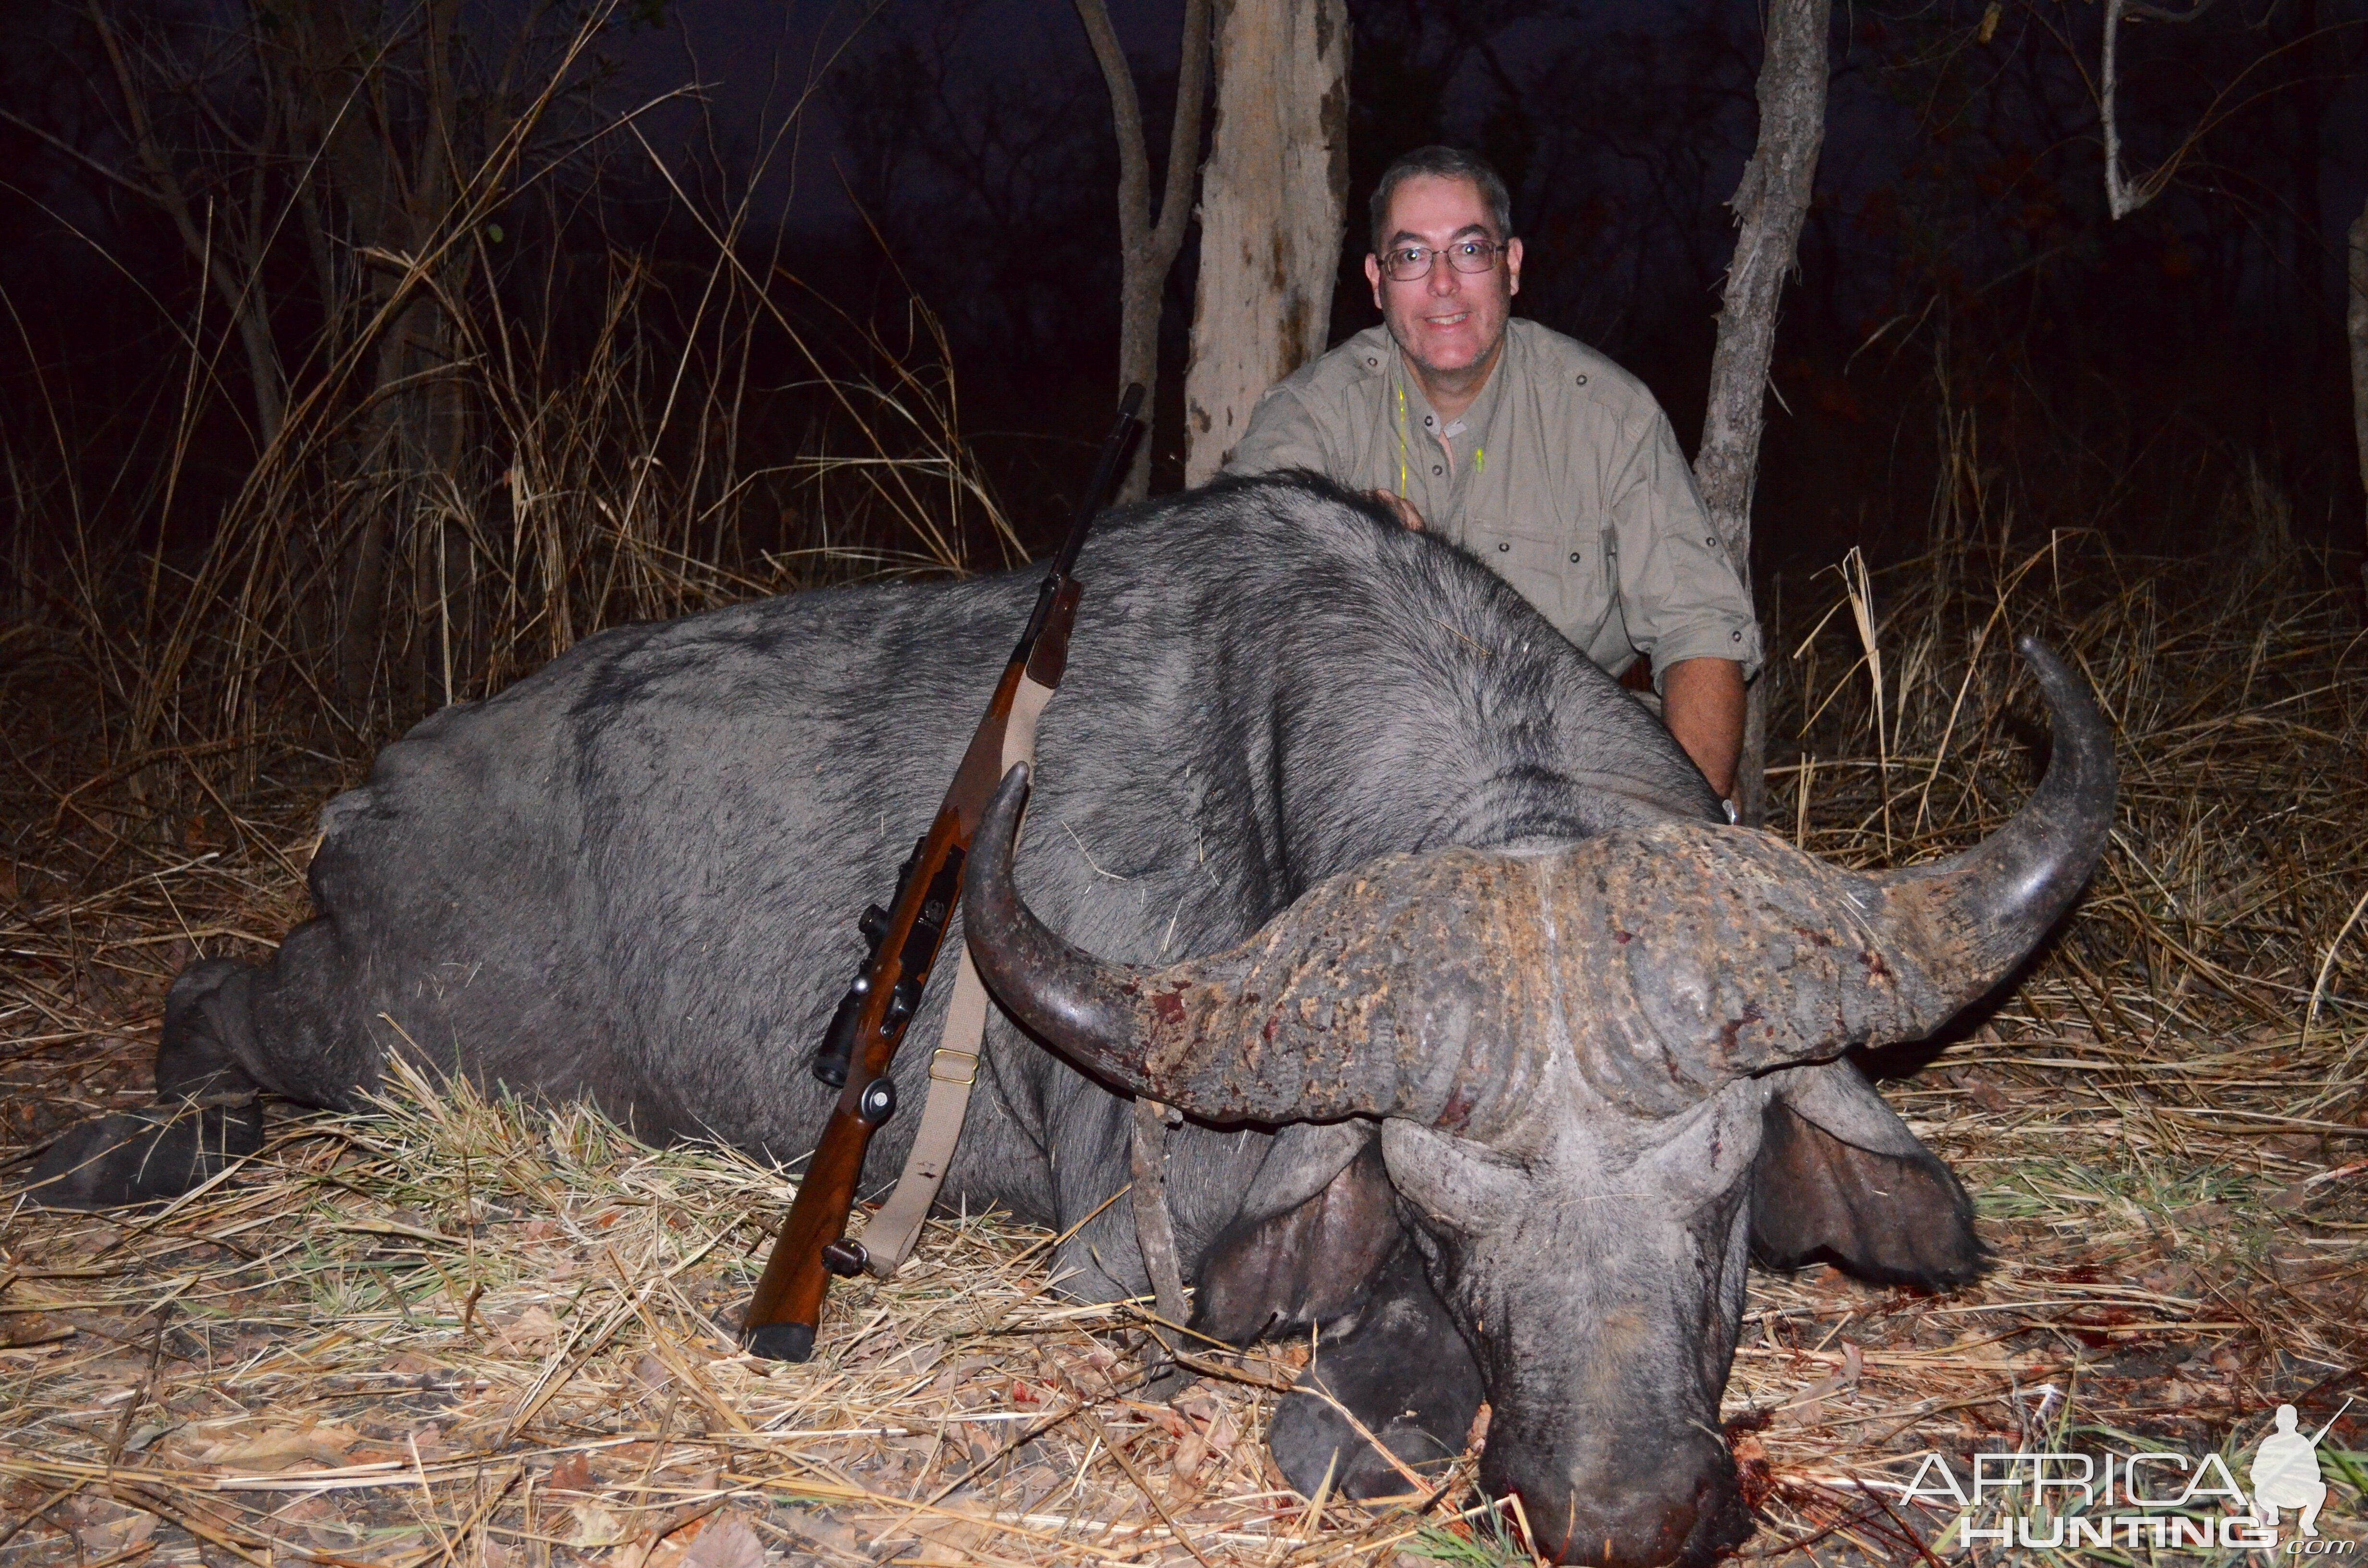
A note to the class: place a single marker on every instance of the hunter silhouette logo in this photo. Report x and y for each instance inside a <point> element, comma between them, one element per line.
<point>2167,1501</point>
<point>2285,1472</point>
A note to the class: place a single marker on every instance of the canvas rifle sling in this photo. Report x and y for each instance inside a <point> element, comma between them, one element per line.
<point>954,1066</point>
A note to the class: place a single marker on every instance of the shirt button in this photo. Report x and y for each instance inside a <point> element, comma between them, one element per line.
<point>1582,381</point>
<point>1371,361</point>
<point>1711,542</point>
<point>1436,469</point>
<point>1735,636</point>
<point>1428,421</point>
<point>1574,555</point>
<point>1503,545</point>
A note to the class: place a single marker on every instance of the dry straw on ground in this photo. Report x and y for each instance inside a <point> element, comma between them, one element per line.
<point>475,1334</point>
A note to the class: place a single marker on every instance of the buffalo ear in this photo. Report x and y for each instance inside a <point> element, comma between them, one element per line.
<point>1311,1264</point>
<point>1840,1177</point>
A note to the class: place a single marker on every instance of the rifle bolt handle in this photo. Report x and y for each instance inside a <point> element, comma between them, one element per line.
<point>879,1101</point>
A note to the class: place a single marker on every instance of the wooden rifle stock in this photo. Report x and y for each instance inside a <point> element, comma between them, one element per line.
<point>869,1026</point>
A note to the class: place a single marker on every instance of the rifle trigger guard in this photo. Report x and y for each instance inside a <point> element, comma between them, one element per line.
<point>879,1101</point>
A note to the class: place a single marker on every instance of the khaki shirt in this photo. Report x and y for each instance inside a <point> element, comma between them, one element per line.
<point>1564,476</point>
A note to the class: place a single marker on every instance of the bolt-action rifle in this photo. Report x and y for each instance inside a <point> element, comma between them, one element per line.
<point>868,1025</point>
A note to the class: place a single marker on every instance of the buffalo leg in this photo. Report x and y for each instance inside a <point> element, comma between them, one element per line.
<point>1403,1371</point>
<point>231,1031</point>
<point>206,1113</point>
<point>207,1009</point>
<point>144,1156</point>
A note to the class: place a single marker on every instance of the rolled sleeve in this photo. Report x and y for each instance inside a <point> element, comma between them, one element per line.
<point>1283,432</point>
<point>1679,593</point>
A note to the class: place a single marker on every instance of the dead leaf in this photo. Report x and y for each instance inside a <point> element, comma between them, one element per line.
<point>945,1543</point>
<point>324,1520</point>
<point>573,1473</point>
<point>114,1537</point>
<point>1807,1407</point>
<point>1988,1098</point>
<point>596,1526</point>
<point>727,1543</point>
<point>820,1530</point>
<point>147,1433</point>
<point>529,1332</point>
<point>23,1330</point>
<point>276,1447</point>
<point>2291,1198</point>
<point>1223,1434</point>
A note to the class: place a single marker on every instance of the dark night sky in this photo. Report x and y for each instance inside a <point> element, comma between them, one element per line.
<point>757,58</point>
<point>1647,292</point>
<point>1957,213</point>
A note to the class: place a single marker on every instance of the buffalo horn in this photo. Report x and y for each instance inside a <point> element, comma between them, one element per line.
<point>1977,914</point>
<point>1308,1020</point>
<point>1708,954</point>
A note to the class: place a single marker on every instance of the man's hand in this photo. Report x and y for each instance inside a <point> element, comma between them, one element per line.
<point>1702,703</point>
<point>1400,506</point>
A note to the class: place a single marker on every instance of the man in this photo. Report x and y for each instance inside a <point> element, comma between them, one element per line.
<point>1536,453</point>
<point>2285,1474</point>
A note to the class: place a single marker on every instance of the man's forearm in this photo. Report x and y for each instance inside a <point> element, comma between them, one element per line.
<point>1703,701</point>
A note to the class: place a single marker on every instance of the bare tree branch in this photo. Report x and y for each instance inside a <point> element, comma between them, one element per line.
<point>239,295</point>
<point>2121,199</point>
<point>1146,251</point>
<point>1770,204</point>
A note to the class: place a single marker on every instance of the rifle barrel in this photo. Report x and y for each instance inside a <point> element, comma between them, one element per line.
<point>787,1307</point>
<point>1113,452</point>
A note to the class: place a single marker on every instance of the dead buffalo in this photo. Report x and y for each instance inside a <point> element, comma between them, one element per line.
<point>1502,1054</point>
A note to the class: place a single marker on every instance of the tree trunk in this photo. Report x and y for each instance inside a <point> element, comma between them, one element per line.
<point>1273,198</point>
<point>1147,250</point>
<point>2356,320</point>
<point>1770,204</point>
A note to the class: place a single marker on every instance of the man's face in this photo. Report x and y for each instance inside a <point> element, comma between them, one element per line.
<point>1447,321</point>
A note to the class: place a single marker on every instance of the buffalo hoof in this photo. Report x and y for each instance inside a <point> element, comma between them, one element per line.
<point>144,1156</point>
<point>207,1004</point>
<point>1403,1372</point>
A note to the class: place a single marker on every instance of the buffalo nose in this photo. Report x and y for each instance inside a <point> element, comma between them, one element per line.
<point>1651,1503</point>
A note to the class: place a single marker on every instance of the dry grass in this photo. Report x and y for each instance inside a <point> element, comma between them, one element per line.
<point>468,1333</point>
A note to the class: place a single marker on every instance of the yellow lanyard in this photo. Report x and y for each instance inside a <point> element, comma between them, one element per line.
<point>1479,454</point>
<point>1402,437</point>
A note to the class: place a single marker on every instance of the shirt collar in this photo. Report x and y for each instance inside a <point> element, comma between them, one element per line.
<point>1474,421</point>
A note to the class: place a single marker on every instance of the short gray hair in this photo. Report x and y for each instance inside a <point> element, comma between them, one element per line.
<point>1443,163</point>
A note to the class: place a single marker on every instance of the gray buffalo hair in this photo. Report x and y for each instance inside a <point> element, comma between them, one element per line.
<point>1442,162</point>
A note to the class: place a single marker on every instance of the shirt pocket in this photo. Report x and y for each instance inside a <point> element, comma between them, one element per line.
<point>1562,574</point>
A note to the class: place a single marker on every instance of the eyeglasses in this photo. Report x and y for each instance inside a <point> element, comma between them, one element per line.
<point>1407,264</point>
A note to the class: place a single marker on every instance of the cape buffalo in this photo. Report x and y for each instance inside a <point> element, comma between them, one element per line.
<point>1501,1052</point>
